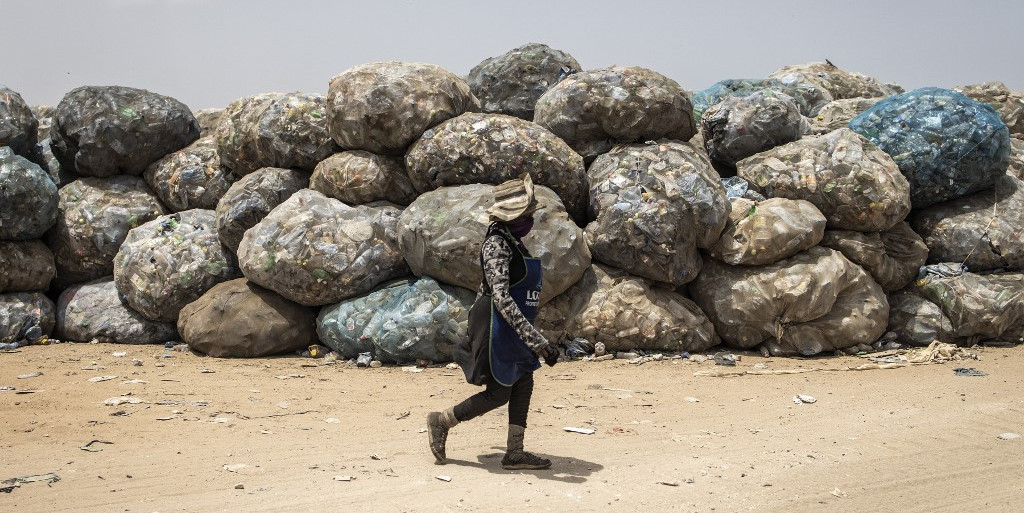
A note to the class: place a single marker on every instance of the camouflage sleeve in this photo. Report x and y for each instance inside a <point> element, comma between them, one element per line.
<point>497,256</point>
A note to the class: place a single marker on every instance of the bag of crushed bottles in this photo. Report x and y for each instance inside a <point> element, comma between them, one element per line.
<point>917,321</point>
<point>946,144</point>
<point>808,97</point>
<point>596,109</point>
<point>274,130</point>
<point>512,82</point>
<point>94,218</point>
<point>25,266</point>
<point>209,119</point>
<point>856,185</point>
<point>191,177</point>
<point>837,114</point>
<point>493,148</point>
<point>94,311</point>
<point>651,206</point>
<point>1016,167</point>
<point>46,160</point>
<point>765,232</point>
<point>237,318</point>
<point>108,130</point>
<point>625,312</point>
<point>358,177</point>
<point>814,302</point>
<point>170,262</point>
<point>383,107</point>
<point>981,307</point>
<point>839,83</point>
<point>740,126</point>
<point>402,321</point>
<point>251,198</point>
<point>892,257</point>
<point>18,125</point>
<point>316,250</point>
<point>982,230</point>
<point>28,198</point>
<point>25,317</point>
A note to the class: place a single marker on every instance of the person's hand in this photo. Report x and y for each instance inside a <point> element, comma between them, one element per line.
<point>548,353</point>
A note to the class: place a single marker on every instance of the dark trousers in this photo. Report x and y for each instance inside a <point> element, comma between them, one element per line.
<point>517,396</point>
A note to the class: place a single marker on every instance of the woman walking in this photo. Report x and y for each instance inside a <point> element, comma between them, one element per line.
<point>503,346</point>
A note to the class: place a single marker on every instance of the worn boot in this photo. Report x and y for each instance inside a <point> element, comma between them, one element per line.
<point>518,459</point>
<point>438,424</point>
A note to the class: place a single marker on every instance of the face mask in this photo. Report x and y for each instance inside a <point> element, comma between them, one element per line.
<point>520,227</point>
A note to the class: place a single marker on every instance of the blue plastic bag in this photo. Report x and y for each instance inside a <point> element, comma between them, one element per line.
<point>946,144</point>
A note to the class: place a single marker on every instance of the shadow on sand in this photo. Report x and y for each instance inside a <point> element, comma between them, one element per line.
<point>563,469</point>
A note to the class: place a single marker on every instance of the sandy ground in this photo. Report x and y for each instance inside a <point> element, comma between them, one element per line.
<point>913,439</point>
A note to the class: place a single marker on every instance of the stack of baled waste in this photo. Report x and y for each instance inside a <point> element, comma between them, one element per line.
<point>808,212</point>
<point>110,137</point>
<point>955,152</point>
<point>28,207</point>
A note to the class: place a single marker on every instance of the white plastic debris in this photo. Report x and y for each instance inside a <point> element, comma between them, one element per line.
<point>582,431</point>
<point>1008,436</point>
<point>118,401</point>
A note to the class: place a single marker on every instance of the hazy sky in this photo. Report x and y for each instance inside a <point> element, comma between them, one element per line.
<point>207,53</point>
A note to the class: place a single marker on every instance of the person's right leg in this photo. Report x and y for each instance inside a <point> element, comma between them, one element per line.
<point>518,408</point>
<point>438,423</point>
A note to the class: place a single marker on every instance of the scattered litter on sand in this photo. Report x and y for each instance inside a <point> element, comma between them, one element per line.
<point>89,448</point>
<point>8,485</point>
<point>118,401</point>
<point>968,371</point>
<point>582,431</point>
<point>936,352</point>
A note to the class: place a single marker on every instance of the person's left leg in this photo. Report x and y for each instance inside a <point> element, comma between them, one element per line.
<point>439,422</point>
<point>518,409</point>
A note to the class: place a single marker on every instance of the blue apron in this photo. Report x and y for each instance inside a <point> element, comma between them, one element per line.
<point>510,357</point>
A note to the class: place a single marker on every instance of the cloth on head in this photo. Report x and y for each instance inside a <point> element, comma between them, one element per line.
<point>513,199</point>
